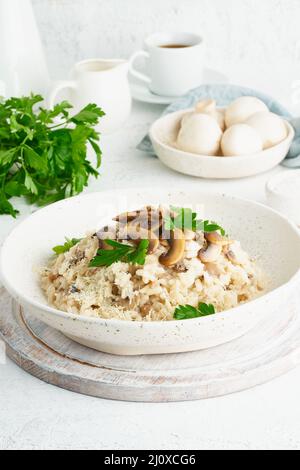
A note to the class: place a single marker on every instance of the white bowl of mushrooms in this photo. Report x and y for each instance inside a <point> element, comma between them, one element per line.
<point>242,140</point>
<point>261,231</point>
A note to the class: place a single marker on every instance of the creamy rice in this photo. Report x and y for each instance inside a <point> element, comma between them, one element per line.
<point>152,291</point>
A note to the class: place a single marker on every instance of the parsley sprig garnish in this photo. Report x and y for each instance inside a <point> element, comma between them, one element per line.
<point>43,153</point>
<point>184,218</point>
<point>185,312</point>
<point>208,226</point>
<point>126,253</point>
<point>60,249</point>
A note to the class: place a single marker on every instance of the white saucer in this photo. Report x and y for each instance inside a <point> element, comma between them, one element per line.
<point>141,92</point>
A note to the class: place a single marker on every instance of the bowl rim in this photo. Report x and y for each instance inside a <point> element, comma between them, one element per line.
<point>155,140</point>
<point>140,324</point>
<point>272,184</point>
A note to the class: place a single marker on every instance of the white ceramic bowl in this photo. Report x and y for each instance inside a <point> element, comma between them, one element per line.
<point>282,197</point>
<point>264,233</point>
<point>163,134</point>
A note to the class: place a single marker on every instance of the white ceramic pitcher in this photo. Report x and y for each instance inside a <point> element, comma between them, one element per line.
<point>103,82</point>
<point>23,66</point>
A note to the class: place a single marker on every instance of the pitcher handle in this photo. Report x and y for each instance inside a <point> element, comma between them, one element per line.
<point>133,71</point>
<point>62,85</point>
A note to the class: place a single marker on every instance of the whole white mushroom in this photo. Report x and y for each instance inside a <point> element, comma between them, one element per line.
<point>242,108</point>
<point>240,140</point>
<point>199,133</point>
<point>210,107</point>
<point>270,127</point>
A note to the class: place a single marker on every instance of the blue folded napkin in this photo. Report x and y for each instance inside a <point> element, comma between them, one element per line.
<point>224,95</point>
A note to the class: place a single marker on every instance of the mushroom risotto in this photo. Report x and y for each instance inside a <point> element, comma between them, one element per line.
<point>152,264</point>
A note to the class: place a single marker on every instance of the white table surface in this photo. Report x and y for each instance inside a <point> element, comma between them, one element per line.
<point>35,415</point>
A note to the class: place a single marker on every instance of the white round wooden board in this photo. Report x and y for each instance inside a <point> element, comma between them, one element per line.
<point>266,352</point>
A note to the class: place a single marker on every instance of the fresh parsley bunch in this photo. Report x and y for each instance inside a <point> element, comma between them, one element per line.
<point>43,153</point>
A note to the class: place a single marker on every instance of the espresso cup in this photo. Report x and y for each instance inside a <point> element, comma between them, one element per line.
<point>174,63</point>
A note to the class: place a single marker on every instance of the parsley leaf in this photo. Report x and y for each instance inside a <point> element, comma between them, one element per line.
<point>6,207</point>
<point>183,218</point>
<point>186,219</point>
<point>90,113</point>
<point>139,255</point>
<point>126,253</point>
<point>207,226</point>
<point>66,246</point>
<point>185,312</point>
<point>43,153</point>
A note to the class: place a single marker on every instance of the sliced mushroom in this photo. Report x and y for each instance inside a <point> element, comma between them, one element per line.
<point>189,234</point>
<point>145,309</point>
<point>156,225</point>
<point>147,218</point>
<point>153,245</point>
<point>164,243</point>
<point>164,234</point>
<point>106,233</point>
<point>217,239</point>
<point>136,234</point>
<point>180,267</point>
<point>115,290</point>
<point>213,269</point>
<point>141,219</point>
<point>103,233</point>
<point>200,239</point>
<point>176,251</point>
<point>126,217</point>
<point>152,220</point>
<point>236,255</point>
<point>234,258</point>
<point>210,254</point>
<point>231,256</point>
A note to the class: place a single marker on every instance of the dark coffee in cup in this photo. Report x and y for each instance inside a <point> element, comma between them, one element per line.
<point>175,46</point>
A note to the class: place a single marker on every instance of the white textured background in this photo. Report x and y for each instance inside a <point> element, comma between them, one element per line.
<point>253,41</point>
